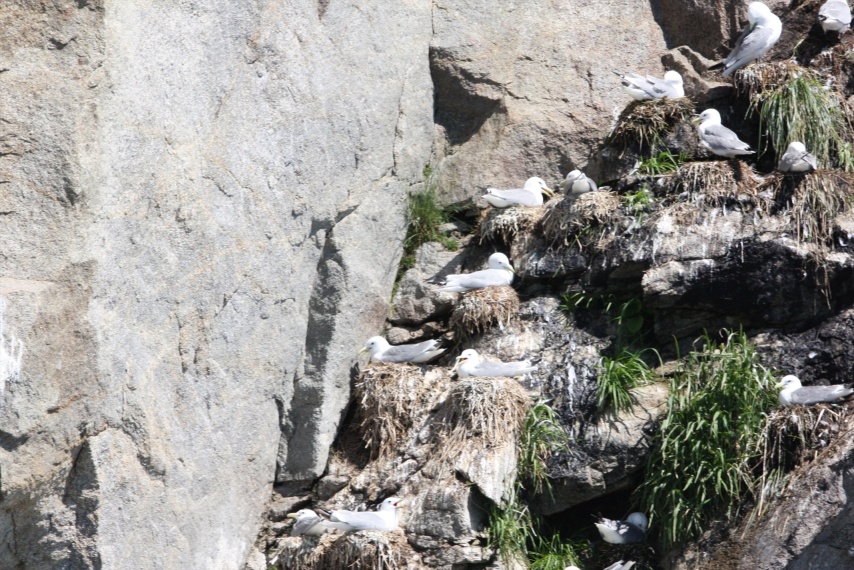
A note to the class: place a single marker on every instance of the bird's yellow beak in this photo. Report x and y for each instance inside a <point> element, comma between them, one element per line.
<point>548,192</point>
<point>363,350</point>
<point>292,515</point>
<point>459,361</point>
<point>511,270</point>
<point>778,385</point>
<point>695,119</point>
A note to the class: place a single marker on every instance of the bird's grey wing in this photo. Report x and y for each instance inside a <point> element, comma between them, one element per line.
<point>630,532</point>
<point>304,525</point>
<point>790,157</point>
<point>503,368</point>
<point>661,88</point>
<point>621,565</point>
<point>357,520</point>
<point>718,137</point>
<point>479,279</point>
<point>814,394</point>
<point>735,49</point>
<point>755,44</point>
<point>408,352</point>
<point>810,159</point>
<point>515,196</point>
<point>838,11</point>
<point>592,184</point>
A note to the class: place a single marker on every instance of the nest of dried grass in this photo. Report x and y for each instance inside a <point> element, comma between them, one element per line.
<point>756,79</point>
<point>792,438</point>
<point>645,122</point>
<point>481,309</point>
<point>589,219</point>
<point>814,201</point>
<point>721,184</point>
<point>502,225</point>
<point>491,410</point>
<point>388,395</point>
<point>366,550</point>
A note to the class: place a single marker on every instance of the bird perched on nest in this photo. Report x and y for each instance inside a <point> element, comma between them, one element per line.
<point>797,159</point>
<point>642,87</point>
<point>309,523</point>
<point>384,519</point>
<point>382,351</point>
<point>762,31</point>
<point>577,183</point>
<point>469,363</point>
<point>531,194</point>
<point>835,16</point>
<point>793,394</point>
<point>500,273</point>
<point>623,532</point>
<point>719,139</point>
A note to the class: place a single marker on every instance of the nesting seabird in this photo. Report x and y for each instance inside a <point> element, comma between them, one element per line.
<point>382,351</point>
<point>797,159</point>
<point>761,33</point>
<point>834,16</point>
<point>384,519</point>
<point>719,139</point>
<point>469,363</point>
<point>309,523</point>
<point>500,273</point>
<point>577,183</point>
<point>793,394</point>
<point>529,195</point>
<point>623,532</point>
<point>642,87</point>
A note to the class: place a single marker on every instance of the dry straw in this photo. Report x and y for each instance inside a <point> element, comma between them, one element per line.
<point>645,122</point>
<point>367,550</point>
<point>588,220</point>
<point>502,226</point>
<point>481,309</point>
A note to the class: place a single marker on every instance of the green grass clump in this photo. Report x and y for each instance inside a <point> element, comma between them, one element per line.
<point>802,108</point>
<point>541,437</point>
<point>618,376</point>
<point>510,528</point>
<point>663,163</point>
<point>705,455</point>
<point>555,553</point>
<point>425,217</point>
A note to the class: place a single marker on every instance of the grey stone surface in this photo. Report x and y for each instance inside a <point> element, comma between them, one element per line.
<point>202,211</point>
<point>417,301</point>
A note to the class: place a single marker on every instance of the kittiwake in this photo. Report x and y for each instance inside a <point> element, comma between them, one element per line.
<point>384,519</point>
<point>648,87</point>
<point>500,273</point>
<point>309,523</point>
<point>530,195</point>
<point>469,363</point>
<point>797,159</point>
<point>719,139</point>
<point>620,565</point>
<point>577,183</point>
<point>623,532</point>
<point>761,33</point>
<point>793,393</point>
<point>382,351</point>
<point>834,15</point>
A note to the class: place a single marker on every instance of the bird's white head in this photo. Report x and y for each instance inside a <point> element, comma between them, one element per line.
<point>797,146</point>
<point>468,355</point>
<point>709,117</point>
<point>673,77</point>
<point>757,11</point>
<point>538,185</point>
<point>639,520</point>
<point>500,261</point>
<point>304,513</point>
<point>391,504</point>
<point>789,382</point>
<point>374,345</point>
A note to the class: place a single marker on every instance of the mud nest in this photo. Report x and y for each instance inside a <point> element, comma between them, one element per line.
<point>502,225</point>
<point>814,200</point>
<point>491,410</point>
<point>481,309</point>
<point>588,220</point>
<point>366,550</point>
<point>645,122</point>
<point>388,396</point>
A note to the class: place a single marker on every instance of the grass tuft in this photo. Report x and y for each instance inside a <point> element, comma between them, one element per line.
<point>555,553</point>
<point>796,104</point>
<point>645,122</point>
<point>663,163</point>
<point>541,437</point>
<point>510,529</point>
<point>703,457</point>
<point>618,376</point>
<point>425,217</point>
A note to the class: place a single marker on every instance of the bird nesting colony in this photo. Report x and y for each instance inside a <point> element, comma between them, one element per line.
<point>588,220</point>
<point>501,226</point>
<point>813,200</point>
<point>389,396</point>
<point>481,309</point>
<point>490,410</point>
<point>645,122</point>
<point>367,550</point>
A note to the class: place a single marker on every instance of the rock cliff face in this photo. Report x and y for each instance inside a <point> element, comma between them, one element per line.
<point>202,210</point>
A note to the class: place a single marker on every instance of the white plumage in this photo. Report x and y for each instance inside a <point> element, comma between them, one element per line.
<point>500,273</point>
<point>384,519</point>
<point>381,351</point>
<point>469,363</point>
<point>793,394</point>
<point>530,195</point>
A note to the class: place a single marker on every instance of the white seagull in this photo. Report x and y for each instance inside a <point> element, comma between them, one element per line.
<point>469,363</point>
<point>719,139</point>
<point>577,183</point>
<point>620,565</point>
<point>309,523</point>
<point>834,15</point>
<point>643,87</point>
<point>761,33</point>
<point>793,393</point>
<point>530,195</point>
<point>797,159</point>
<point>623,532</point>
<point>384,519</point>
<point>382,351</point>
<point>500,273</point>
